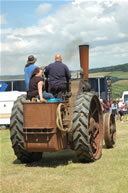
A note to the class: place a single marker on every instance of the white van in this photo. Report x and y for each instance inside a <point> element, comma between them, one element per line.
<point>125,96</point>
<point>7,99</point>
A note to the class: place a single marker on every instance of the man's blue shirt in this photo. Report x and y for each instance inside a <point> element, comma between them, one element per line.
<point>28,71</point>
<point>58,73</point>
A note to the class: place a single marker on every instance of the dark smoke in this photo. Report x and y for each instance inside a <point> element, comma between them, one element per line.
<point>72,49</point>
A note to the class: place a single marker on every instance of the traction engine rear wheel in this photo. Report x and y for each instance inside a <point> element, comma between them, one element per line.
<point>87,127</point>
<point>16,133</point>
<point>109,130</point>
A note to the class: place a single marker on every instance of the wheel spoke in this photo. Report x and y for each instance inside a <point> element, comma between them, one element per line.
<point>91,124</point>
<point>96,133</point>
<point>93,113</point>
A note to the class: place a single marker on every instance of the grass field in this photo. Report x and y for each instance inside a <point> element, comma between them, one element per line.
<point>118,74</point>
<point>121,82</point>
<point>99,74</point>
<point>60,173</point>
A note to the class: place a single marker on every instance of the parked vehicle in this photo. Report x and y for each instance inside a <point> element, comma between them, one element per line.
<point>7,99</point>
<point>9,91</point>
<point>125,100</point>
<point>125,96</point>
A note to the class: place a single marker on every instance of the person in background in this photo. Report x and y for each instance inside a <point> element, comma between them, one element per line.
<point>114,109</point>
<point>58,76</point>
<point>126,104</point>
<point>121,107</point>
<point>105,106</point>
<point>29,67</point>
<point>102,105</point>
<point>118,109</point>
<point>36,85</point>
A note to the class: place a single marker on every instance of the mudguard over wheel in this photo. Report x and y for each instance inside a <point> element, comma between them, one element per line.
<point>109,130</point>
<point>16,133</point>
<point>87,127</point>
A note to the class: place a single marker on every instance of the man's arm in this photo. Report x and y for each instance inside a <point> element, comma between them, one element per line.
<point>67,73</point>
<point>46,72</point>
<point>68,78</point>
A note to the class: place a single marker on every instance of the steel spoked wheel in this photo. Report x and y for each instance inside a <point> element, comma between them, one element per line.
<point>16,133</point>
<point>87,127</point>
<point>109,130</point>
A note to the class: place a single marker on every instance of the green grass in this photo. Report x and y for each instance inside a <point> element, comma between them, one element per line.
<point>118,89</point>
<point>122,82</point>
<point>99,74</point>
<point>118,74</point>
<point>60,173</point>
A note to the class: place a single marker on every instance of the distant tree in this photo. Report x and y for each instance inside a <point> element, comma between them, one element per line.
<point>120,67</point>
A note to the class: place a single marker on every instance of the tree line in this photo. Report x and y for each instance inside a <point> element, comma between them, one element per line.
<point>120,67</point>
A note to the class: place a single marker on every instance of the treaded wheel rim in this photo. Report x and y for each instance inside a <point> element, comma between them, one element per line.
<point>16,133</point>
<point>109,130</point>
<point>112,130</point>
<point>95,125</point>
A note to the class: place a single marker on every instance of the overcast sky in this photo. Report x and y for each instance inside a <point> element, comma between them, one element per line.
<point>44,28</point>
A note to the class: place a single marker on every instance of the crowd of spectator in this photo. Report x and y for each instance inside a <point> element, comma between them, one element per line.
<point>118,108</point>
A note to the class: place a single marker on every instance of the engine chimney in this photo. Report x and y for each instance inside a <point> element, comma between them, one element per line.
<point>84,59</point>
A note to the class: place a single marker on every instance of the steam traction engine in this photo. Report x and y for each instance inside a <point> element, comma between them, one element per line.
<point>77,122</point>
